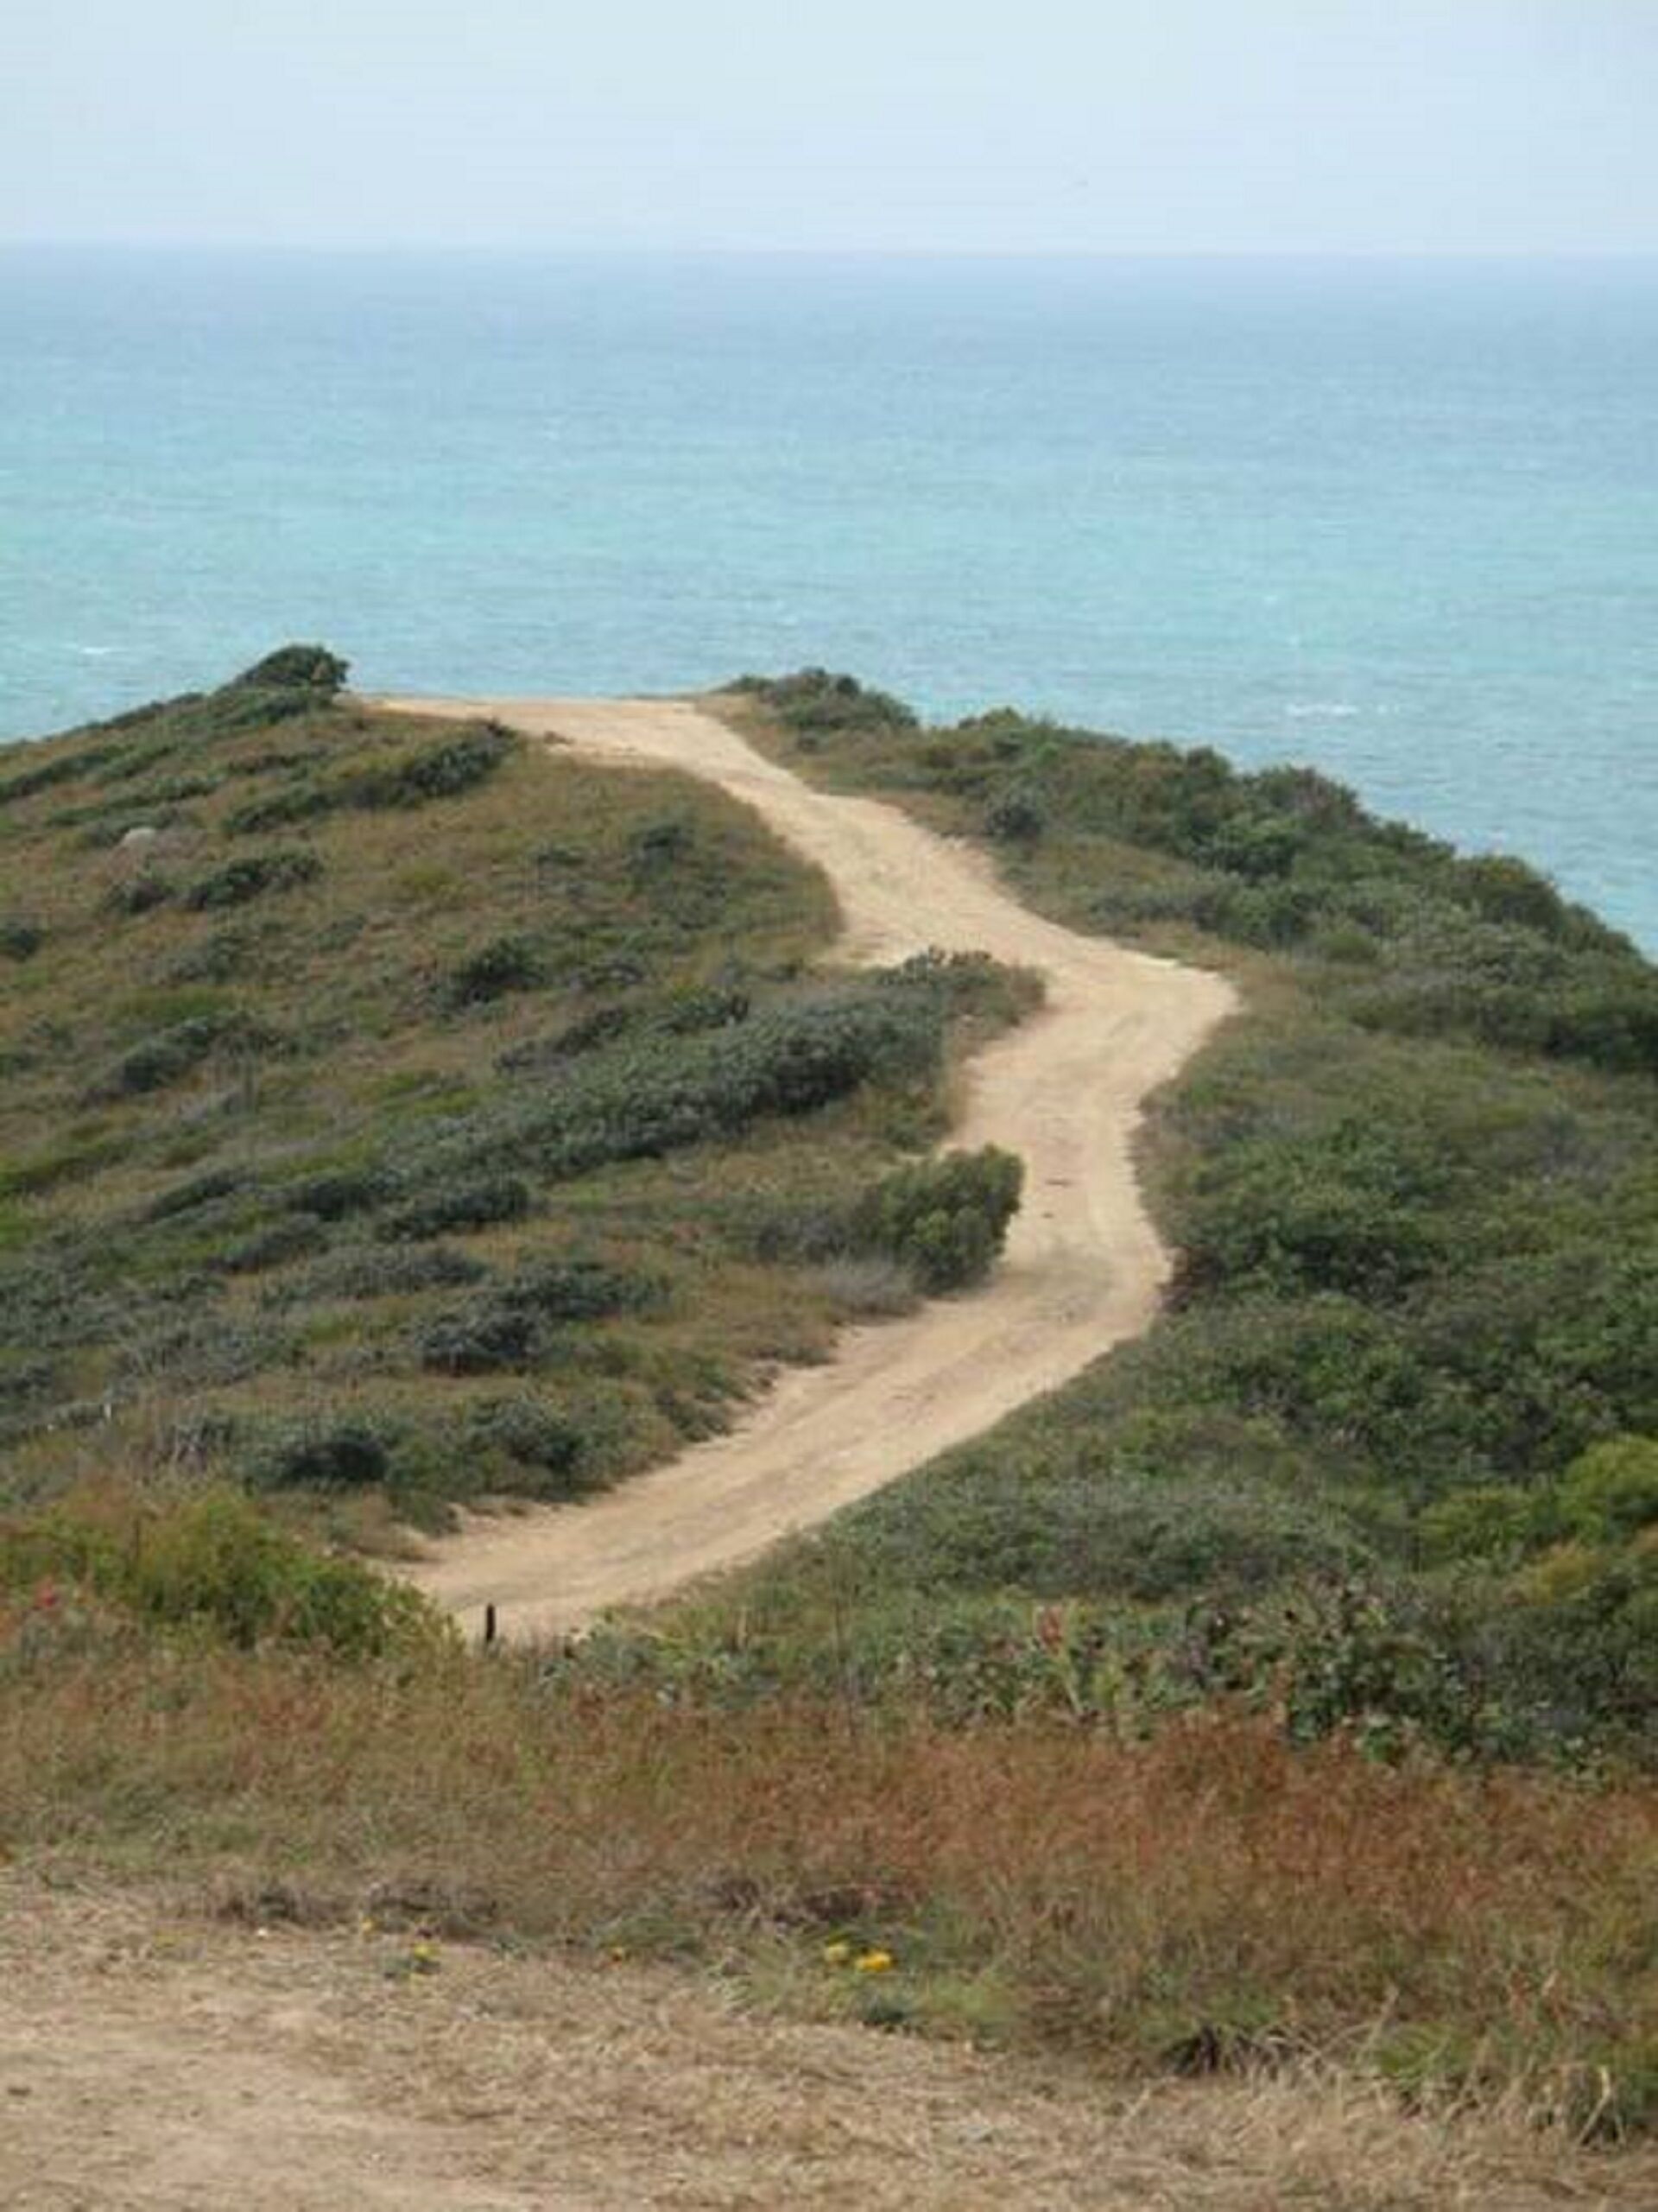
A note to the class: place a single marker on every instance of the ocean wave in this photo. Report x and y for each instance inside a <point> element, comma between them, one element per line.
<point>1322,710</point>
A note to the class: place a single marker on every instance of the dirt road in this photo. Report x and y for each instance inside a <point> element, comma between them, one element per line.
<point>1083,1266</point>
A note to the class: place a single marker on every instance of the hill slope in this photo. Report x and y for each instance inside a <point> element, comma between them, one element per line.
<point>390,1114</point>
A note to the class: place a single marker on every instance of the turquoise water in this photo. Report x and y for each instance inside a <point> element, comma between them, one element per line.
<point>1398,520</point>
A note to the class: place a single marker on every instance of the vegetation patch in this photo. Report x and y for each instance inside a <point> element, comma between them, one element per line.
<point>374,1186</point>
<point>1414,1199</point>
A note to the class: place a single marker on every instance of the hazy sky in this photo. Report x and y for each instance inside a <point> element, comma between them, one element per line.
<point>1112,125</point>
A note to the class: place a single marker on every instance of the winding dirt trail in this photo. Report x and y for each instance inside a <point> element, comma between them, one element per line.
<point>1083,1268</point>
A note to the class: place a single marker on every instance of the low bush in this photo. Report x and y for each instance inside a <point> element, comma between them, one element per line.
<point>20,939</point>
<point>139,894</point>
<point>196,1191</point>
<point>249,877</point>
<point>171,1053</point>
<point>488,1334</point>
<point>472,1202</point>
<point>295,668</point>
<point>214,1563</point>
<point>338,1192</point>
<point>946,1220</point>
<point>532,1435</point>
<point>1015,818</point>
<point>67,767</point>
<point>495,970</point>
<point>445,770</point>
<point>579,1289</point>
<point>272,1246</point>
<point>326,1452</point>
<point>659,1094</point>
<point>379,1271</point>
<point>820,704</point>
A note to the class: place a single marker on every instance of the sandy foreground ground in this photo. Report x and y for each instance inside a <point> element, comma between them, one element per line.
<point>1083,1268</point>
<point>155,2058</point>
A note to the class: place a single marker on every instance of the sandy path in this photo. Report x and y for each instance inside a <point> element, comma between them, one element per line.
<point>1083,1268</point>
<point>154,2060</point>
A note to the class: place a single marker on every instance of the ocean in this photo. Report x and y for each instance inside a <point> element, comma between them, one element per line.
<point>1399,520</point>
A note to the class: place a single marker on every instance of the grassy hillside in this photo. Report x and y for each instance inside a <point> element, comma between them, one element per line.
<point>392,1110</point>
<point>1285,1686</point>
<point>1388,1458</point>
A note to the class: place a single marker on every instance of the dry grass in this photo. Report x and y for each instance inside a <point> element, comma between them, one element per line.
<point>1205,1899</point>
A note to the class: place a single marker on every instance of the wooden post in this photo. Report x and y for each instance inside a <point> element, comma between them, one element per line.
<point>489,1624</point>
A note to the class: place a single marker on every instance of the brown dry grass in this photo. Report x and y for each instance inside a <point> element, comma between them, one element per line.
<point>1208,1897</point>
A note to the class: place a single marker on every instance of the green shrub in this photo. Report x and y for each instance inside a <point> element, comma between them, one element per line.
<point>69,767</point>
<point>214,1562</point>
<point>656,1095</point>
<point>196,1191</point>
<point>220,957</point>
<point>339,1191</point>
<point>325,1452</point>
<point>157,1061</point>
<point>533,1435</point>
<point>818,703</point>
<point>443,770</point>
<point>946,1220</point>
<point>379,1271</point>
<point>1017,817</point>
<point>272,1246</point>
<point>251,877</point>
<point>1610,1492</point>
<point>504,965</point>
<point>295,668</point>
<point>1353,1208</point>
<point>479,1338</point>
<point>476,1202</point>
<point>281,809</point>
<point>575,1290</point>
<point>139,894</point>
<point>20,940</point>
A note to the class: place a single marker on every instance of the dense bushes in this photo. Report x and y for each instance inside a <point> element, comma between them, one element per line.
<point>1416,1293</point>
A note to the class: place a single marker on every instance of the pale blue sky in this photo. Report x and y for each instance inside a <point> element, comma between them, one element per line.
<point>1067,125</point>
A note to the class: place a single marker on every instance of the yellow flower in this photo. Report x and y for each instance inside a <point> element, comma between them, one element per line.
<point>873,1962</point>
<point>837,1954</point>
